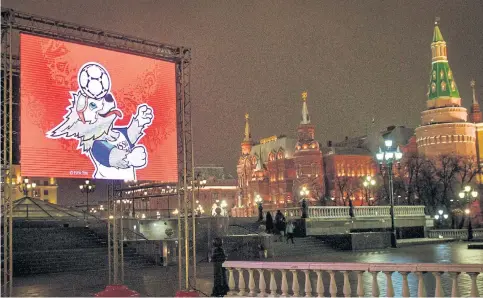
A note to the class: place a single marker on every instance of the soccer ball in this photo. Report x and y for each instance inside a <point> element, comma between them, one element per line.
<point>94,80</point>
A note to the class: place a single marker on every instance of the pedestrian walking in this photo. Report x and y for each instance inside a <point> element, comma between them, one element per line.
<point>289,230</point>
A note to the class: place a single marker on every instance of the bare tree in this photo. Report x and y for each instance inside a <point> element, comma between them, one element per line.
<point>427,186</point>
<point>409,175</point>
<point>447,169</point>
<point>341,183</point>
<point>467,171</point>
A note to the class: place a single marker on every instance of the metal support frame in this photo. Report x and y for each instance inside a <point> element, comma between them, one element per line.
<point>6,164</point>
<point>186,240</point>
<point>115,234</point>
<point>23,22</point>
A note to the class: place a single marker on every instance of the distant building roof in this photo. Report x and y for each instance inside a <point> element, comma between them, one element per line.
<point>400,135</point>
<point>346,151</point>
<point>264,148</point>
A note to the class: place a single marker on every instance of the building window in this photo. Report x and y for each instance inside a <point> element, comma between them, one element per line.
<point>46,182</point>
<point>46,192</point>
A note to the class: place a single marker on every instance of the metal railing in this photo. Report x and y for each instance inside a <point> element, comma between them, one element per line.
<point>279,283</point>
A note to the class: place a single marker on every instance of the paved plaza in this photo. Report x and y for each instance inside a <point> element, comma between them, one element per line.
<point>162,281</point>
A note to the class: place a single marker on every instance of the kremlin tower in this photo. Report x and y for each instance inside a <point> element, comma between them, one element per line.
<point>308,157</point>
<point>444,127</point>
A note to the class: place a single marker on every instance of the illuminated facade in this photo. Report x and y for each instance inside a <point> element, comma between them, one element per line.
<point>43,188</point>
<point>444,127</point>
<point>275,168</point>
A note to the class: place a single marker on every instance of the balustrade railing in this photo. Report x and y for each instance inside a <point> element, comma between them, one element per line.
<point>328,211</point>
<point>460,234</point>
<point>283,278</point>
<point>409,210</point>
<point>371,211</point>
<point>340,211</point>
<point>288,212</point>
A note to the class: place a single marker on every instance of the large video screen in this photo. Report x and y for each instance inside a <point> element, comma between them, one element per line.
<point>88,112</point>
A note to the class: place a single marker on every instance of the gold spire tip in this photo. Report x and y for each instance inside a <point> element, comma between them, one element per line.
<point>304,95</point>
<point>436,20</point>
<point>247,116</point>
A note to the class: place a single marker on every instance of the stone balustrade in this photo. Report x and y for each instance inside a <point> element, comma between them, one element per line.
<point>288,212</point>
<point>359,211</point>
<point>322,279</point>
<point>328,211</point>
<point>372,211</point>
<point>339,211</point>
<point>460,234</point>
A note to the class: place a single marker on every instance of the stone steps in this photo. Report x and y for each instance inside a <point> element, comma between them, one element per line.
<point>302,246</point>
<point>79,249</point>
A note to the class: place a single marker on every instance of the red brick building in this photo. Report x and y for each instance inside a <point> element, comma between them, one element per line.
<point>276,168</point>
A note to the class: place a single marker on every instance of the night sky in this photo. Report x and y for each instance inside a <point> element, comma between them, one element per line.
<point>357,59</point>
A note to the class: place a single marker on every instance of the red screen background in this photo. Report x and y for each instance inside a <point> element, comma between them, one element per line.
<point>48,73</point>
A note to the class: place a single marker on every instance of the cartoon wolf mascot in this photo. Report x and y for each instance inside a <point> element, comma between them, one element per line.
<point>115,151</point>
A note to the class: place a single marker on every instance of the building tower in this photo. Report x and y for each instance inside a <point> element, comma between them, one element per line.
<point>245,165</point>
<point>444,128</point>
<point>477,118</point>
<point>308,158</point>
<point>475,113</point>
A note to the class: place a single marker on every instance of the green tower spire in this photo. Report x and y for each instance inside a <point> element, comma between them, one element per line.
<point>437,36</point>
<point>441,81</point>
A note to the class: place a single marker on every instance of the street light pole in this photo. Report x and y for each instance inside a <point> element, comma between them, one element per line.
<point>367,183</point>
<point>259,201</point>
<point>468,195</point>
<point>304,192</point>
<point>387,157</point>
<point>440,216</point>
<point>26,186</point>
<point>87,188</point>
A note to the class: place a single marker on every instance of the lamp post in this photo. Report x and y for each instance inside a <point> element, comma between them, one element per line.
<point>26,186</point>
<point>199,184</point>
<point>87,188</point>
<point>368,183</point>
<point>468,195</point>
<point>304,193</point>
<point>386,160</point>
<point>259,201</point>
<point>440,216</point>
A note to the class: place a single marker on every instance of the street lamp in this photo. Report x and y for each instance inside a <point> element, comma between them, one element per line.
<point>26,186</point>
<point>386,160</point>
<point>259,201</point>
<point>468,195</point>
<point>87,188</point>
<point>368,183</point>
<point>440,217</point>
<point>304,193</point>
<point>199,184</point>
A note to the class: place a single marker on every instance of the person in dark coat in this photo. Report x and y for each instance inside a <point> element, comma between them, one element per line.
<point>280,224</point>
<point>220,282</point>
<point>269,223</point>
